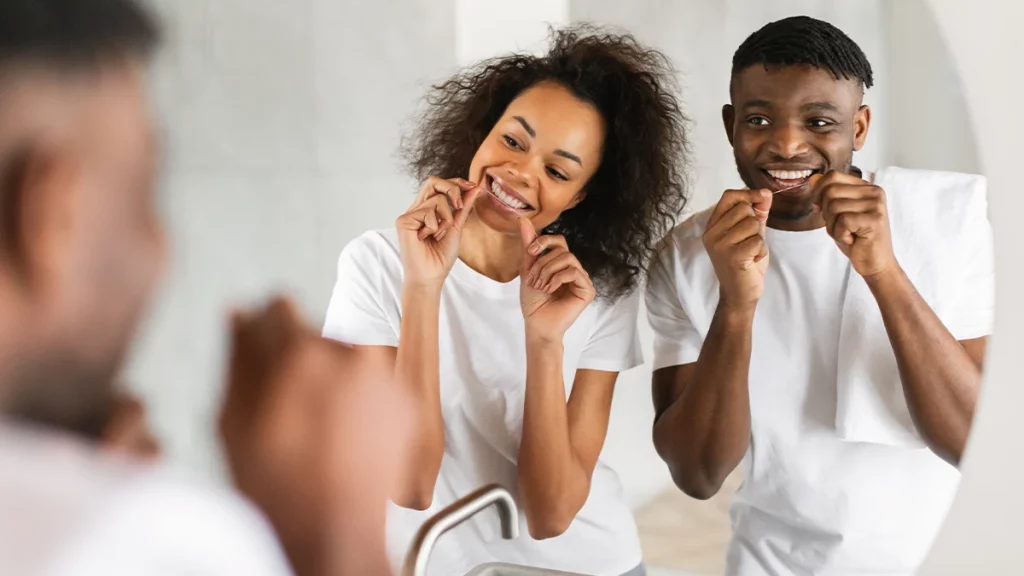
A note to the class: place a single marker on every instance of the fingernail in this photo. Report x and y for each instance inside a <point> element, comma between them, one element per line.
<point>765,193</point>
<point>534,248</point>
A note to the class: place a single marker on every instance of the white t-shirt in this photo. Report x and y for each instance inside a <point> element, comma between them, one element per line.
<point>810,503</point>
<point>68,510</point>
<point>483,382</point>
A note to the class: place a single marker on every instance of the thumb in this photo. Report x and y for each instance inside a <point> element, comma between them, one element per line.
<point>762,208</point>
<point>527,231</point>
<point>468,200</point>
<point>529,235</point>
<point>816,193</point>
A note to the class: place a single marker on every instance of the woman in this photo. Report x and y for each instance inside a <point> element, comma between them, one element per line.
<point>497,329</point>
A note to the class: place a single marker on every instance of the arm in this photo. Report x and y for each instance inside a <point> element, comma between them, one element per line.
<point>418,373</point>
<point>561,442</point>
<point>429,234</point>
<point>702,410</point>
<point>415,365</point>
<point>702,407</point>
<point>941,376</point>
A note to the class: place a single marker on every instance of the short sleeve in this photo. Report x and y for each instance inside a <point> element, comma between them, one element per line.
<point>676,340</point>
<point>614,344</point>
<point>358,312</point>
<point>972,315</point>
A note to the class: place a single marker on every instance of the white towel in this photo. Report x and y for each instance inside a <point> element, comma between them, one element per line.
<point>939,223</point>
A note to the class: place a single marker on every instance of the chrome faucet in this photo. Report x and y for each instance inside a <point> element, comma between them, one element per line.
<point>457,513</point>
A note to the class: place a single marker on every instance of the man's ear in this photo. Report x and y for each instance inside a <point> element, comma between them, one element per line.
<point>36,214</point>
<point>728,119</point>
<point>862,124</point>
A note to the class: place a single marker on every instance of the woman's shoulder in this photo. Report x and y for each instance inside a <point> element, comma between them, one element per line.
<point>380,246</point>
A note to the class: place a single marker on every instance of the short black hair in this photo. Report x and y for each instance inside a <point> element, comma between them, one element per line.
<point>804,40</point>
<point>75,34</point>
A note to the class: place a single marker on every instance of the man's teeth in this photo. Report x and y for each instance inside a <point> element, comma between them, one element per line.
<point>506,199</point>
<point>790,174</point>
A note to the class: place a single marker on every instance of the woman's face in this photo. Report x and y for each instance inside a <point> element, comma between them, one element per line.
<point>537,158</point>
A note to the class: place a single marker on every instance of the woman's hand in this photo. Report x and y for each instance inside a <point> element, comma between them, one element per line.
<point>430,231</point>
<point>554,287</point>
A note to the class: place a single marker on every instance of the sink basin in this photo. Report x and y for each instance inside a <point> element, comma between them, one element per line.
<point>513,570</point>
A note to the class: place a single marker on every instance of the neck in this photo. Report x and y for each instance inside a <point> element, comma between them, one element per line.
<point>491,253</point>
<point>812,221</point>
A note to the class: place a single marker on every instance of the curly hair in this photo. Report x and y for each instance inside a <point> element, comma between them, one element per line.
<point>641,186</point>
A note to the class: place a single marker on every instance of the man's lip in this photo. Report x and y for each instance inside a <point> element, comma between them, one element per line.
<point>784,186</point>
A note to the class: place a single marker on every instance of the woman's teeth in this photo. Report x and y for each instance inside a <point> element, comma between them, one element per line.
<point>506,199</point>
<point>790,174</point>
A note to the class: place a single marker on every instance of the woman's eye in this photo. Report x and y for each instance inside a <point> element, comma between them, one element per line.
<point>511,142</point>
<point>557,175</point>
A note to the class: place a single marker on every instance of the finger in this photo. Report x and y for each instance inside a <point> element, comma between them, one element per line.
<point>849,226</point>
<point>572,276</point>
<point>856,205</point>
<point>468,201</point>
<point>733,197</point>
<point>750,251</point>
<point>739,233</point>
<point>430,223</point>
<point>835,192</point>
<point>730,219</point>
<point>763,208</point>
<point>452,189</point>
<point>820,182</point>
<point>529,235</point>
<point>561,262</point>
<point>539,263</point>
<point>442,211</point>
<point>763,253</point>
<point>549,242</point>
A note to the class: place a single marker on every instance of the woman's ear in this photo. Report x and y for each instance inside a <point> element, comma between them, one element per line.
<point>577,199</point>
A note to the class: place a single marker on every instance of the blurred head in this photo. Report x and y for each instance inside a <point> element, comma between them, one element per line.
<point>80,245</point>
<point>587,141</point>
<point>796,108</point>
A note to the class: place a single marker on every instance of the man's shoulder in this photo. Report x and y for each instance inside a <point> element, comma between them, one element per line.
<point>686,239</point>
<point>932,190</point>
<point>164,513</point>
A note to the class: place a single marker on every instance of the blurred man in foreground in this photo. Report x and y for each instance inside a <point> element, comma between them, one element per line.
<point>80,251</point>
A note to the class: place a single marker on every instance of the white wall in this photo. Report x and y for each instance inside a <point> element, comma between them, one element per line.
<point>282,122</point>
<point>928,123</point>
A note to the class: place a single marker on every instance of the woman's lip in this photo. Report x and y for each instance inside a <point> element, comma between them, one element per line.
<point>497,201</point>
<point>511,192</point>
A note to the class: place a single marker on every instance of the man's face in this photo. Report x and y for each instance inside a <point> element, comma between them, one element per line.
<point>103,251</point>
<point>787,123</point>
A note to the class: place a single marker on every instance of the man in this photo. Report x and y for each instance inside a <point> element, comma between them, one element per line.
<point>80,250</point>
<point>826,328</point>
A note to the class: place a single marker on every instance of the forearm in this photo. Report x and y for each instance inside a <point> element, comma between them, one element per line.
<point>940,380</point>
<point>352,543</point>
<point>553,483</point>
<point>417,369</point>
<point>704,434</point>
